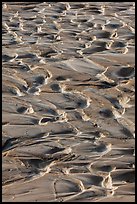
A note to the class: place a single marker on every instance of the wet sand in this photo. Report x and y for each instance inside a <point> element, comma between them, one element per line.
<point>68,102</point>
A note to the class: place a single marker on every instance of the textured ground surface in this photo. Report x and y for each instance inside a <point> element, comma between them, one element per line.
<point>68,101</point>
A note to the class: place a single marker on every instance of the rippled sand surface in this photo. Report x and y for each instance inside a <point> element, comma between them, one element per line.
<point>68,107</point>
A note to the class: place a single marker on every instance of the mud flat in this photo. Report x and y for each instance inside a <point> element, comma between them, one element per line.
<point>68,101</point>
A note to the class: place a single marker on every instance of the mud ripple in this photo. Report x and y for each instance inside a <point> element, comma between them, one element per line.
<point>68,101</point>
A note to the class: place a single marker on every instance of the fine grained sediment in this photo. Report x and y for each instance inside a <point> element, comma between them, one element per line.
<point>68,105</point>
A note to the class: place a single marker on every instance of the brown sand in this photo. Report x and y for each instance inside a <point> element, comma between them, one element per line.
<point>68,107</point>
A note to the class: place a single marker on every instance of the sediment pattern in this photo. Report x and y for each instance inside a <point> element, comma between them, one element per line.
<point>68,101</point>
